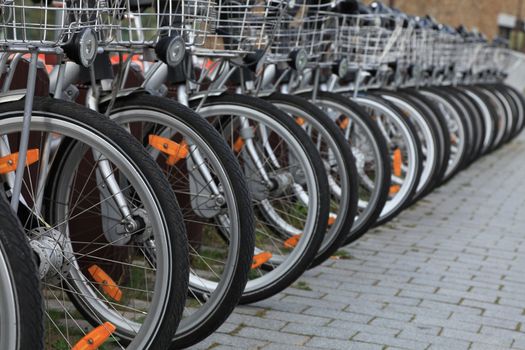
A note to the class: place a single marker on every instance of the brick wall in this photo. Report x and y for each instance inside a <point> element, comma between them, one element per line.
<point>473,13</point>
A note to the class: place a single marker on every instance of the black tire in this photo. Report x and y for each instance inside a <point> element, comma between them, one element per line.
<point>286,278</point>
<point>24,278</point>
<point>136,154</point>
<point>187,336</point>
<point>488,113</point>
<point>464,111</point>
<point>433,127</point>
<point>432,94</point>
<point>500,115</point>
<point>440,123</point>
<point>317,119</point>
<point>411,133</point>
<point>474,114</point>
<point>354,111</point>
<point>514,109</point>
<point>520,102</point>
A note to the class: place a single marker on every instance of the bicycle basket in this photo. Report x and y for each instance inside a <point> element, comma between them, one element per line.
<point>47,24</point>
<point>368,40</point>
<point>306,27</point>
<point>145,22</point>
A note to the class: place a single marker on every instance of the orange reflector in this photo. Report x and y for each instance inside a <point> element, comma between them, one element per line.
<point>397,162</point>
<point>9,162</point>
<point>292,241</point>
<point>238,145</point>
<point>300,121</point>
<point>260,259</point>
<point>94,339</point>
<point>175,151</point>
<point>343,123</point>
<point>394,189</point>
<point>331,219</point>
<point>108,285</point>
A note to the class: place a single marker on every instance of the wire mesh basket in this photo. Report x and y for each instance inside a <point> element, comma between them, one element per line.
<point>420,52</point>
<point>506,60</point>
<point>368,40</point>
<point>44,23</point>
<point>444,47</point>
<point>144,22</point>
<point>467,53</point>
<point>403,44</point>
<point>241,27</point>
<point>304,26</point>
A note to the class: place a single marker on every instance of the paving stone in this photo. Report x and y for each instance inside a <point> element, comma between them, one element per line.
<point>342,344</point>
<point>382,339</point>
<point>299,318</point>
<point>272,336</point>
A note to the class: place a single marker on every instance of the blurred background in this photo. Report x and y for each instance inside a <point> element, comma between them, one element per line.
<point>502,18</point>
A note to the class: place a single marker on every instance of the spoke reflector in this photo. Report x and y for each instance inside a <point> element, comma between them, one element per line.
<point>238,145</point>
<point>260,259</point>
<point>397,162</point>
<point>175,151</point>
<point>331,219</point>
<point>300,121</point>
<point>108,285</point>
<point>343,123</point>
<point>292,241</point>
<point>94,339</point>
<point>9,162</point>
<point>394,189</point>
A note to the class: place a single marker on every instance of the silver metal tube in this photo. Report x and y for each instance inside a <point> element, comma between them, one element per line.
<point>26,125</point>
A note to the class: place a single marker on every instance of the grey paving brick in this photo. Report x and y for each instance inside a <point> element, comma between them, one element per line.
<point>329,331</point>
<point>383,339</point>
<point>329,304</point>
<point>449,323</point>
<point>235,341</point>
<point>477,338</point>
<point>351,327</point>
<point>425,337</point>
<point>342,344</point>
<point>272,336</point>
<point>299,318</point>
<point>258,322</point>
<point>339,315</point>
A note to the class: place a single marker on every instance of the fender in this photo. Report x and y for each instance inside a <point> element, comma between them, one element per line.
<point>122,93</point>
<point>13,95</point>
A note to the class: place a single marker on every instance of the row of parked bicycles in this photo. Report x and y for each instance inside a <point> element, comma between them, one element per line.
<point>163,161</point>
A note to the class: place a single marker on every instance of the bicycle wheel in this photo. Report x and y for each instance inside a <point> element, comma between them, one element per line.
<point>428,136</point>
<point>21,325</point>
<point>511,108</point>
<point>432,112</point>
<point>457,130</point>
<point>488,113</point>
<point>520,104</point>
<point>214,199</point>
<point>371,155</point>
<point>104,225</point>
<point>339,163</point>
<point>405,152</point>
<point>472,114</point>
<point>501,117</point>
<point>288,183</point>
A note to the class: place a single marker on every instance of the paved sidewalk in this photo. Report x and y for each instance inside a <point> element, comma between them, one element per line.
<point>448,273</point>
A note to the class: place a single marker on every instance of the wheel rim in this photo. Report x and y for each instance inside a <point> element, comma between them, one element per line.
<point>100,311</point>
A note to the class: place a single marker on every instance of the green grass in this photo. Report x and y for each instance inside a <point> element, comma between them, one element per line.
<point>343,254</point>
<point>302,285</point>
